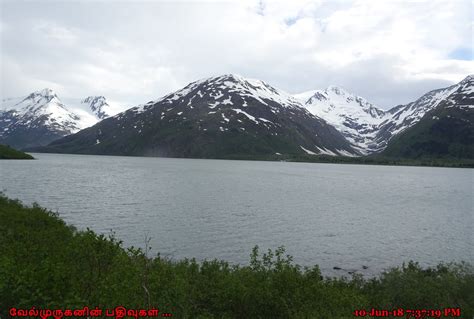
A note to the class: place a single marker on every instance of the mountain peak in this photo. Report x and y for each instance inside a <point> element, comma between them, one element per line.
<point>233,79</point>
<point>355,117</point>
<point>337,90</point>
<point>225,89</point>
<point>230,76</point>
<point>44,96</point>
<point>467,79</point>
<point>46,92</point>
<point>98,105</point>
<point>91,98</point>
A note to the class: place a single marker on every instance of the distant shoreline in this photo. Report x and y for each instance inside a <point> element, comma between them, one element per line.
<point>8,153</point>
<point>324,159</point>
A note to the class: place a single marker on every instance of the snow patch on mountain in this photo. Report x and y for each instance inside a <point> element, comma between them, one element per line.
<point>250,117</point>
<point>308,151</point>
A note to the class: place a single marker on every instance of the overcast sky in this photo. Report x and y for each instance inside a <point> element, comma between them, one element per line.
<point>389,52</point>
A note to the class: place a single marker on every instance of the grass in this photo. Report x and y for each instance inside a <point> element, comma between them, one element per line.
<point>45,263</point>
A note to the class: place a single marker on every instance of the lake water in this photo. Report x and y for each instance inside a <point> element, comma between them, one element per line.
<point>348,216</point>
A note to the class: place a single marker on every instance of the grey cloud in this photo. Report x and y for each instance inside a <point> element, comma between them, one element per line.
<point>136,52</point>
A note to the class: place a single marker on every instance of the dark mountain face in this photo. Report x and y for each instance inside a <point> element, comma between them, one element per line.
<point>447,131</point>
<point>226,116</point>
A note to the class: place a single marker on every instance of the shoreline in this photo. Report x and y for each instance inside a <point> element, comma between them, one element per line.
<point>318,159</point>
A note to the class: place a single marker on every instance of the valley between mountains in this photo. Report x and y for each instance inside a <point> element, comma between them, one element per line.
<point>230,116</point>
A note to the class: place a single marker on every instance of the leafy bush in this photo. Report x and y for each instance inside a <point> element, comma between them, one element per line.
<point>46,264</point>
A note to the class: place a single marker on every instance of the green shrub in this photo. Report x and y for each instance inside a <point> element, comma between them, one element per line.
<point>46,264</point>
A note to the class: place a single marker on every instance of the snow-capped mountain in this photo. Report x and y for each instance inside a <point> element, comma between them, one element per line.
<point>368,128</point>
<point>402,117</point>
<point>227,116</point>
<point>463,96</point>
<point>218,117</point>
<point>216,88</point>
<point>406,115</point>
<point>445,127</point>
<point>42,117</point>
<point>356,118</point>
<point>96,105</point>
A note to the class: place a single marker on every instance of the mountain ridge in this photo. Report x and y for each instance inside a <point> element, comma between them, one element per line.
<point>446,129</point>
<point>228,100</point>
<point>224,116</point>
<point>41,117</point>
<point>368,128</point>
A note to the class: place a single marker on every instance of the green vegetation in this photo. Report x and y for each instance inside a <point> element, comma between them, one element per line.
<point>6,152</point>
<point>45,263</point>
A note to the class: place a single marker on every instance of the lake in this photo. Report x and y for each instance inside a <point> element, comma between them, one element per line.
<point>347,216</point>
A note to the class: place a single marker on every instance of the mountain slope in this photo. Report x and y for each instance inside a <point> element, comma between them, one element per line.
<point>355,117</point>
<point>225,116</point>
<point>447,131</point>
<point>402,117</point>
<point>42,117</point>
